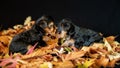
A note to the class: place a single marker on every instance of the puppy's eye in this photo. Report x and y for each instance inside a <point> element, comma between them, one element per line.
<point>66,26</point>
<point>43,24</point>
<point>51,25</point>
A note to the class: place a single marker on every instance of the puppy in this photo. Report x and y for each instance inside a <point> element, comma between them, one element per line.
<point>81,36</point>
<point>34,35</point>
<point>47,23</point>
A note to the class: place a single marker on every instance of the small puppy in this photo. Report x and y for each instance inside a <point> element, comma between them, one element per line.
<point>47,23</point>
<point>21,41</point>
<point>81,36</point>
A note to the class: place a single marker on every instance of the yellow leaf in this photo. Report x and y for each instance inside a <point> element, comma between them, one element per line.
<point>109,48</point>
<point>86,64</point>
<point>6,55</point>
<point>44,65</point>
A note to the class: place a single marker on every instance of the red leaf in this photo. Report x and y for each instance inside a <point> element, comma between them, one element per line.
<point>9,62</point>
<point>31,49</point>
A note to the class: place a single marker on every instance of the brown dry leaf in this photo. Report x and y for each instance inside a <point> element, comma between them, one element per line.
<point>32,64</point>
<point>47,57</point>
<point>29,25</point>
<point>3,49</point>
<point>117,49</point>
<point>97,45</point>
<point>94,55</point>
<point>39,52</point>
<point>103,61</point>
<point>84,48</point>
<point>112,63</point>
<point>5,40</point>
<point>116,46</point>
<point>49,47</point>
<point>65,64</point>
<point>74,55</point>
<point>9,32</point>
<point>27,20</point>
<point>4,44</point>
<point>102,51</point>
<point>107,45</point>
<point>110,39</point>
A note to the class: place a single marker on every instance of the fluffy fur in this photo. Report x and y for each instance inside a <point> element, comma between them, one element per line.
<point>81,36</point>
<point>21,41</point>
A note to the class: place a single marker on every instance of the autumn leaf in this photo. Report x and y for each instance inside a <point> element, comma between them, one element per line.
<point>31,49</point>
<point>109,48</point>
<point>86,64</point>
<point>9,62</point>
<point>74,55</point>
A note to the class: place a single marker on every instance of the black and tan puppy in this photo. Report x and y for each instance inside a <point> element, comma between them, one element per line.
<point>81,36</point>
<point>47,23</point>
<point>21,41</point>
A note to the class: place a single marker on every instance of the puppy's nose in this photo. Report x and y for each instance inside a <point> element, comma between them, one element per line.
<point>58,31</point>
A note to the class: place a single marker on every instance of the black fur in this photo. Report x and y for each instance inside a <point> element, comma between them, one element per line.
<point>45,21</point>
<point>21,41</point>
<point>82,36</point>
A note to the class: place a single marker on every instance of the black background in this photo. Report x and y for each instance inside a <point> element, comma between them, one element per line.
<point>100,15</point>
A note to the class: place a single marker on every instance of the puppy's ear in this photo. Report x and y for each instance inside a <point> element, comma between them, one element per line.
<point>45,21</point>
<point>70,26</point>
<point>37,28</point>
<point>66,20</point>
<point>45,18</point>
<point>71,30</point>
<point>66,24</point>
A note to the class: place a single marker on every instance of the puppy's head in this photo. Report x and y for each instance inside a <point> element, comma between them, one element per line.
<point>46,23</point>
<point>65,27</point>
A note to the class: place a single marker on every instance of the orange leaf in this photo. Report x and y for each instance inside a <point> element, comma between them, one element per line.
<point>74,55</point>
<point>103,61</point>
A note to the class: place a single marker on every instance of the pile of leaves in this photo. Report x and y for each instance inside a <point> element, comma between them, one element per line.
<point>106,54</point>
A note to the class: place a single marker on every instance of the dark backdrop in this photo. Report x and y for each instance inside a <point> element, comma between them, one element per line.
<point>99,15</point>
